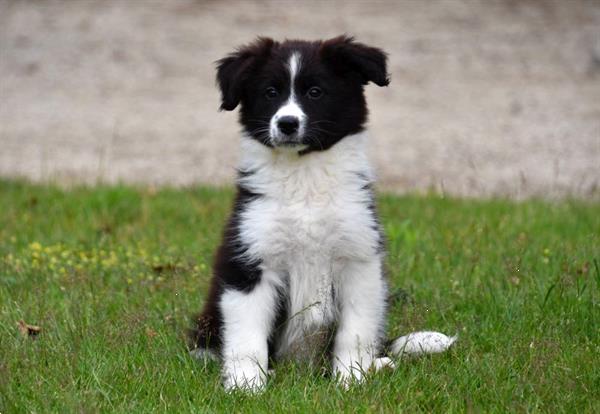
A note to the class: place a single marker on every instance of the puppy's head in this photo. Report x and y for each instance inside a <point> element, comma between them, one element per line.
<point>305,96</point>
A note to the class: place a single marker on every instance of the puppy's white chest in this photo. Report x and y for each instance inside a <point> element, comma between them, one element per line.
<point>280,234</point>
<point>301,232</point>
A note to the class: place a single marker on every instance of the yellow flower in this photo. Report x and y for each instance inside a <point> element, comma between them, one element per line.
<point>35,246</point>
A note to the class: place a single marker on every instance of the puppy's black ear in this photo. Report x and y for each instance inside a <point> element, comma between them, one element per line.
<point>234,69</point>
<point>344,54</point>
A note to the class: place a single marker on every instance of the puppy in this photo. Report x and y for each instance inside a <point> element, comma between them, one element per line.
<point>299,272</point>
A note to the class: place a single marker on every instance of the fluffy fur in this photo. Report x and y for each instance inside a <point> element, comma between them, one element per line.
<point>299,271</point>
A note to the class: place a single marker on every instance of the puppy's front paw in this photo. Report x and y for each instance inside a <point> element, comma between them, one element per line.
<point>354,373</point>
<point>348,374</point>
<point>245,375</point>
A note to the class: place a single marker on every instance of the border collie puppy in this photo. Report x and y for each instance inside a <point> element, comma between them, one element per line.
<point>300,270</point>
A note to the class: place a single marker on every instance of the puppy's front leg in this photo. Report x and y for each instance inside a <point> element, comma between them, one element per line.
<point>247,323</point>
<point>362,296</point>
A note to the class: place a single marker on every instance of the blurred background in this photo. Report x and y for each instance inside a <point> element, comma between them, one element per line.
<point>488,97</point>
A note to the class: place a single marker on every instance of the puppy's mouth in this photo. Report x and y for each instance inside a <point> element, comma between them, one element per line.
<point>288,141</point>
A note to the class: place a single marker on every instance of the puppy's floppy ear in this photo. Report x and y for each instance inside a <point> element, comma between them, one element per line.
<point>234,69</point>
<point>344,54</point>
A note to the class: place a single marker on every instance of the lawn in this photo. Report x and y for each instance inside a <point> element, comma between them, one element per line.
<point>111,275</point>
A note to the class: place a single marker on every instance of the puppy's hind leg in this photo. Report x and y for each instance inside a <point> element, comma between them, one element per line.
<point>204,337</point>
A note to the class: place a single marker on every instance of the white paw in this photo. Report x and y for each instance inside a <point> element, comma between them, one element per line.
<point>347,379</point>
<point>347,374</point>
<point>381,363</point>
<point>245,375</point>
<point>356,373</point>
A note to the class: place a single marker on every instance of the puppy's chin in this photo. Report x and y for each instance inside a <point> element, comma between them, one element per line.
<point>290,148</point>
<point>288,144</point>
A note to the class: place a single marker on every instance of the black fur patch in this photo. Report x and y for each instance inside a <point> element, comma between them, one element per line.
<point>340,67</point>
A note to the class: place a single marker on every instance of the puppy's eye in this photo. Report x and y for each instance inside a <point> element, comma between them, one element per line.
<point>315,92</point>
<point>271,93</point>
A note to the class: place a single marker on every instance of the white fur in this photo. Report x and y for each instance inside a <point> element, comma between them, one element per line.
<point>419,343</point>
<point>291,107</point>
<point>312,230</point>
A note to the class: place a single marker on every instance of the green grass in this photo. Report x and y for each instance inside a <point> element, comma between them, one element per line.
<point>112,274</point>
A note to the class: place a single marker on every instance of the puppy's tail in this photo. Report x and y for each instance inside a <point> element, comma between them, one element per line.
<point>420,343</point>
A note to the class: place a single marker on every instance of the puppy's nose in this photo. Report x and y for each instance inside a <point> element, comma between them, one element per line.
<point>288,124</point>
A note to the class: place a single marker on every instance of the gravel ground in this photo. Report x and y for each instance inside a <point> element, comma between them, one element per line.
<point>488,98</point>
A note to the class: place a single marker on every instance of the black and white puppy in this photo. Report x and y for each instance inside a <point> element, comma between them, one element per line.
<point>300,268</point>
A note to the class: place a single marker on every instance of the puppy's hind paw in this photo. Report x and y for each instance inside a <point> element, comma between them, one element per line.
<point>383,363</point>
<point>203,355</point>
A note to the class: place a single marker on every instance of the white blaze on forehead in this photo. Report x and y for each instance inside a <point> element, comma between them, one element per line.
<point>294,66</point>
<point>291,106</point>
